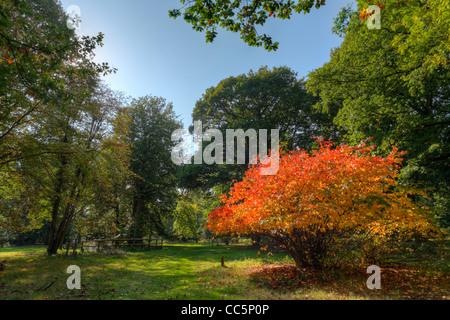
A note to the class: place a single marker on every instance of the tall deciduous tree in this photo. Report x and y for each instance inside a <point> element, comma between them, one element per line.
<point>393,84</point>
<point>58,186</point>
<point>106,209</point>
<point>54,117</point>
<point>265,99</point>
<point>37,53</point>
<point>152,122</point>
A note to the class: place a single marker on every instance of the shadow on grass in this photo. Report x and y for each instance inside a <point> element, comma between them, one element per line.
<point>175,272</point>
<point>398,282</point>
<point>191,271</point>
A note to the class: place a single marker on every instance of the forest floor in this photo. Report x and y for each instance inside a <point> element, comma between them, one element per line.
<point>194,272</point>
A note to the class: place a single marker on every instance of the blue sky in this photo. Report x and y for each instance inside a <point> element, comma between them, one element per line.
<point>157,55</point>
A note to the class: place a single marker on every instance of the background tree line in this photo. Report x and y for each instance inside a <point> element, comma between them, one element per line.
<point>391,84</point>
<point>78,159</point>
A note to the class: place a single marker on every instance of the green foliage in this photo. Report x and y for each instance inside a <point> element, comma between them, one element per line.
<point>152,122</point>
<point>240,16</point>
<point>109,197</point>
<point>187,222</point>
<point>54,120</point>
<point>265,99</point>
<point>58,186</point>
<point>38,53</point>
<point>392,84</point>
<point>6,237</point>
<point>342,21</point>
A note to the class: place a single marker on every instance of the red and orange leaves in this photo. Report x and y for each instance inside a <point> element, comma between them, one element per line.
<point>365,14</point>
<point>333,188</point>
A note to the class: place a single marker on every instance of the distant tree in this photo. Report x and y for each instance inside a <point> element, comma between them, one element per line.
<point>191,213</point>
<point>152,122</point>
<point>186,224</point>
<point>266,99</point>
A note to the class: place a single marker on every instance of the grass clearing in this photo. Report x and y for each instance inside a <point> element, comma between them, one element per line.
<point>194,272</point>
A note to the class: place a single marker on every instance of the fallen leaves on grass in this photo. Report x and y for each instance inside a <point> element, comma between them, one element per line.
<point>397,282</point>
<point>277,277</point>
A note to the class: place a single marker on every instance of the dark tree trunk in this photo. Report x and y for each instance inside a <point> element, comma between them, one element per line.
<point>57,235</point>
<point>57,240</point>
<point>308,249</point>
<point>138,217</point>
<point>56,207</point>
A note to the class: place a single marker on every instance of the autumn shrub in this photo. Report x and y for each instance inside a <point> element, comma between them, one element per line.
<point>315,204</point>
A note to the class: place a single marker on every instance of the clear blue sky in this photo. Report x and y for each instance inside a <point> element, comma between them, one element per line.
<point>160,56</point>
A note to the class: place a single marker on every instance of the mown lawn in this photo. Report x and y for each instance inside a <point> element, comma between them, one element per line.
<point>193,271</point>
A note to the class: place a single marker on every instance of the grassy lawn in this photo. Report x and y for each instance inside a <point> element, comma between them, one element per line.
<point>193,271</point>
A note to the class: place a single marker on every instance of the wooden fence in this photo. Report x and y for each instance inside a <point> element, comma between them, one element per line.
<point>143,244</point>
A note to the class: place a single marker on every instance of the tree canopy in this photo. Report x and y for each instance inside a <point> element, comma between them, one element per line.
<point>56,121</point>
<point>240,16</point>
<point>264,99</point>
<point>38,53</point>
<point>152,122</point>
<point>393,84</point>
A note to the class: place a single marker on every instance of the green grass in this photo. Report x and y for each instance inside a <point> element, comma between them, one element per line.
<point>194,272</point>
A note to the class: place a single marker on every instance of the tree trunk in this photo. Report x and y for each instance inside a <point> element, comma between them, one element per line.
<point>138,217</point>
<point>51,237</point>
<point>55,213</point>
<point>56,236</point>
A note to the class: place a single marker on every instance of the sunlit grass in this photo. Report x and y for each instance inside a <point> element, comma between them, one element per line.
<point>193,271</point>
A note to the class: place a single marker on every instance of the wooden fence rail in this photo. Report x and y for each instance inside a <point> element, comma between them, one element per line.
<point>98,245</point>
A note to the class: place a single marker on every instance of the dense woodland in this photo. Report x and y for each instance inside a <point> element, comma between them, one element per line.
<point>79,160</point>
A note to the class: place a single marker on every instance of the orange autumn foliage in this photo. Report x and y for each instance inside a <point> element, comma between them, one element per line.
<point>333,190</point>
<point>364,14</point>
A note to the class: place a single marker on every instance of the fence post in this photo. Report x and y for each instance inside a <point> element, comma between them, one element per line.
<point>68,247</point>
<point>75,245</point>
